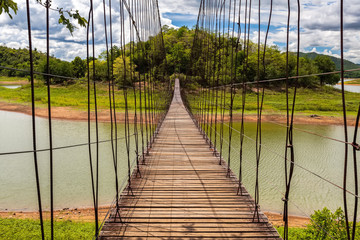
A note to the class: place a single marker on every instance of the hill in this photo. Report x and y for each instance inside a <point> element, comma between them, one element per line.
<point>337,61</point>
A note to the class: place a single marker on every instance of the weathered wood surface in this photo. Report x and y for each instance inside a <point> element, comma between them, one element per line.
<point>184,193</point>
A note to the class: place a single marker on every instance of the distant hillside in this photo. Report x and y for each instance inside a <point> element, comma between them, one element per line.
<point>347,64</point>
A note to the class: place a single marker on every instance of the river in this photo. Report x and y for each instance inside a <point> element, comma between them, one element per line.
<point>72,183</point>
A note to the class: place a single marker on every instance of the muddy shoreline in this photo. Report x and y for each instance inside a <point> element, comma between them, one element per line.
<point>87,215</point>
<point>70,114</point>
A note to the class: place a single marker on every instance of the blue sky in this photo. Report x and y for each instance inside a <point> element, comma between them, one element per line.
<point>319,26</point>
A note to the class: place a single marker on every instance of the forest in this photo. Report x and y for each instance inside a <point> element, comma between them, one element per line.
<point>181,58</point>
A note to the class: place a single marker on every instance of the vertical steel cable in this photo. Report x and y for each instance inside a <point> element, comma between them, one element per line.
<point>113,121</point>
<point>218,78</point>
<point>48,82</point>
<point>90,19</point>
<point>139,18</point>
<point>258,122</point>
<point>290,120</point>
<point>233,79</point>
<point>344,117</point>
<point>109,77</point>
<point>355,149</point>
<point>214,44</point>
<point>243,95</point>
<point>96,127</point>
<point>285,214</point>
<point>127,140</point>
<point>232,96</point>
<point>132,52</point>
<point>34,119</point>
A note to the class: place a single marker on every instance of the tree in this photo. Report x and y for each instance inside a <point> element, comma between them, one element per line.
<point>7,5</point>
<point>325,64</point>
<point>327,225</point>
<point>59,68</point>
<point>79,67</point>
<point>100,70</point>
<point>124,72</point>
<point>64,15</point>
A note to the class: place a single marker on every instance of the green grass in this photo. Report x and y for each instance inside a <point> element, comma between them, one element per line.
<point>74,96</point>
<point>355,81</point>
<point>324,101</point>
<point>30,229</point>
<point>294,233</point>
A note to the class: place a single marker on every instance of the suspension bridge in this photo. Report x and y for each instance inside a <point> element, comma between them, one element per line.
<point>184,193</point>
<point>178,182</point>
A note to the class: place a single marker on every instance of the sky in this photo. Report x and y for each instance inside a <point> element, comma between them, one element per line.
<point>320,25</point>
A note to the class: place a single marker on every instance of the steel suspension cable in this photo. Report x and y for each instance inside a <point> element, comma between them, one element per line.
<point>34,119</point>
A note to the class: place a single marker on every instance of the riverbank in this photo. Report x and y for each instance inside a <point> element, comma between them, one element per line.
<point>87,215</point>
<point>71,114</point>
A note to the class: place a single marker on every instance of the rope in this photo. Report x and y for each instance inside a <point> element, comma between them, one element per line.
<point>34,120</point>
<point>48,82</point>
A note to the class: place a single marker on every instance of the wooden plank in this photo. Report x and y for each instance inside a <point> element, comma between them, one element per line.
<point>184,193</point>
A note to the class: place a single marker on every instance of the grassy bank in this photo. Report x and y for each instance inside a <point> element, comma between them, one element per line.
<point>30,229</point>
<point>13,79</point>
<point>74,96</point>
<point>325,101</point>
<point>355,81</point>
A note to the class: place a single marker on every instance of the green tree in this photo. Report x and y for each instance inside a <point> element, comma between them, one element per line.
<point>6,6</point>
<point>124,72</point>
<point>325,64</point>
<point>100,70</point>
<point>79,67</point>
<point>58,68</point>
<point>64,15</point>
<point>327,225</point>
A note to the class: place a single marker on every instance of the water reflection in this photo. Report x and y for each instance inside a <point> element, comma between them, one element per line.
<point>71,165</point>
<point>319,156</point>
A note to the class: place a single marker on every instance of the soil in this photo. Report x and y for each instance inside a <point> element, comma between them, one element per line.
<point>87,215</point>
<point>14,82</point>
<point>276,219</point>
<point>68,113</point>
<point>63,113</point>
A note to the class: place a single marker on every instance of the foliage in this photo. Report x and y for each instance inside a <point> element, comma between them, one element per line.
<point>324,225</point>
<point>327,225</point>
<point>30,229</point>
<point>347,64</point>
<point>294,233</point>
<point>7,5</point>
<point>101,72</point>
<point>58,68</point>
<point>325,64</point>
<point>124,72</point>
<point>19,59</point>
<point>79,67</point>
<point>65,16</point>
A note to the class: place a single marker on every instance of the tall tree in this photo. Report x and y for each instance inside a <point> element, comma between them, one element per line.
<point>325,64</point>
<point>79,67</point>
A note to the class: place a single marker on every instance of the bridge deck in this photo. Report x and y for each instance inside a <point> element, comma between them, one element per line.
<point>184,192</point>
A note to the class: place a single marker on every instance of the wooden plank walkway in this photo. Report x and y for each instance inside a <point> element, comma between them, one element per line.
<point>184,192</point>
